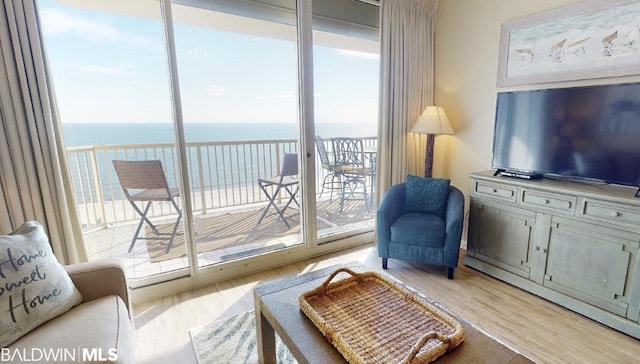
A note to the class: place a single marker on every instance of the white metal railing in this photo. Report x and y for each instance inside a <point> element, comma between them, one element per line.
<point>221,174</point>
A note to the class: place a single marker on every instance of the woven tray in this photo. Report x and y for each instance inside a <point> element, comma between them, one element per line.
<point>372,319</point>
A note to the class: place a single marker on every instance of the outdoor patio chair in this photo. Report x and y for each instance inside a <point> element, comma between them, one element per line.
<point>287,180</point>
<point>352,168</point>
<point>332,179</point>
<point>145,181</point>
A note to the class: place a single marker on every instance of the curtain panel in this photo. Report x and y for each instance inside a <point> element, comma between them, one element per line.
<point>407,36</point>
<point>35,183</point>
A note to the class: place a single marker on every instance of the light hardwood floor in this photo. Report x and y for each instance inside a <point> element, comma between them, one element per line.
<point>540,330</point>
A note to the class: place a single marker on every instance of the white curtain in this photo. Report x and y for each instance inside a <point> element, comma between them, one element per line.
<point>407,30</point>
<point>34,178</point>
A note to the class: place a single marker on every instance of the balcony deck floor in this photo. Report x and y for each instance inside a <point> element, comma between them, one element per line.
<point>221,235</point>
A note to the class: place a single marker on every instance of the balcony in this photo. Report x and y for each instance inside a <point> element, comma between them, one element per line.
<point>227,204</point>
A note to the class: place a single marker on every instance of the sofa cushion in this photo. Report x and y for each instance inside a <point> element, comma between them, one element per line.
<point>92,331</point>
<point>415,228</point>
<point>35,287</point>
<point>427,195</point>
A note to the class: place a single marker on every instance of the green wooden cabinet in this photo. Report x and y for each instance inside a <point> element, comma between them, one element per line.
<point>500,235</point>
<point>571,243</point>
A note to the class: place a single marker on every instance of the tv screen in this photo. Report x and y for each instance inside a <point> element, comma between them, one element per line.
<point>579,132</point>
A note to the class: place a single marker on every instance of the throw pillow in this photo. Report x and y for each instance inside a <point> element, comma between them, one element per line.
<point>428,195</point>
<point>35,287</point>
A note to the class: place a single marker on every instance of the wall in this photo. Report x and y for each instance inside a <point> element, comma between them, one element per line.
<point>467,39</point>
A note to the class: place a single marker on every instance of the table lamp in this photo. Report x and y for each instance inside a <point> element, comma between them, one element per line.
<point>433,121</point>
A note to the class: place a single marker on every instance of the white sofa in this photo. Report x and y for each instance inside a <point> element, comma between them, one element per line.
<point>100,329</point>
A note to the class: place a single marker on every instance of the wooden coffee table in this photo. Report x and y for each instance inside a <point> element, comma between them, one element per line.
<point>277,310</point>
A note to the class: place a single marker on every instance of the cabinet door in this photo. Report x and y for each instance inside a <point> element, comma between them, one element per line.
<point>500,235</point>
<point>591,263</point>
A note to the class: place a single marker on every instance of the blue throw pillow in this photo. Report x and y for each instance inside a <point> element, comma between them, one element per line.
<point>428,195</point>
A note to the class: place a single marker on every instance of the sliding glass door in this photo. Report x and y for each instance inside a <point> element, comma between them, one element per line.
<point>238,79</point>
<point>345,74</point>
<point>109,68</point>
<point>228,97</point>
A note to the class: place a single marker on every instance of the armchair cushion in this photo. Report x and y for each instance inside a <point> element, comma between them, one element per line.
<point>427,195</point>
<point>420,229</point>
<point>35,287</point>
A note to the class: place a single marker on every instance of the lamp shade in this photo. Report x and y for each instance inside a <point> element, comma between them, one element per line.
<point>434,121</point>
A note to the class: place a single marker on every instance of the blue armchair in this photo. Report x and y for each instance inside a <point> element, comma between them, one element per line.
<point>419,236</point>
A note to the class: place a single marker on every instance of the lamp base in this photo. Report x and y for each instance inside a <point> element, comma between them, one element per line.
<point>428,156</point>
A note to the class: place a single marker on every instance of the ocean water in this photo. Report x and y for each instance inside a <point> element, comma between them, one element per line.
<point>142,133</point>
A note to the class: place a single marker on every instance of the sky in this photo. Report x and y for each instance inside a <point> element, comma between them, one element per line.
<point>112,68</point>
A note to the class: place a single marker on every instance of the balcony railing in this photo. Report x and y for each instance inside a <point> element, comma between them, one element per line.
<point>221,175</point>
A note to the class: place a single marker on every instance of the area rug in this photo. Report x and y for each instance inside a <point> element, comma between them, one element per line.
<point>233,340</point>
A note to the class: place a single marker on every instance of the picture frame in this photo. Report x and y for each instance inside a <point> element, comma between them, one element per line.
<point>590,39</point>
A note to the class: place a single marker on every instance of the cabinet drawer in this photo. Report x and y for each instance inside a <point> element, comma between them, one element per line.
<point>616,213</point>
<point>497,191</point>
<point>558,203</point>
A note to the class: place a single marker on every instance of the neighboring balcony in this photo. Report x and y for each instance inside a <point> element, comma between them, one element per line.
<point>227,204</point>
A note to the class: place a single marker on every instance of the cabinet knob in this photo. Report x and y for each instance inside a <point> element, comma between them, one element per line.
<point>546,201</point>
<point>536,248</point>
<point>494,190</point>
<point>544,250</point>
<point>615,214</point>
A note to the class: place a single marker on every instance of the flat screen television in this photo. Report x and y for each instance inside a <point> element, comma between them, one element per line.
<point>590,133</point>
